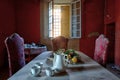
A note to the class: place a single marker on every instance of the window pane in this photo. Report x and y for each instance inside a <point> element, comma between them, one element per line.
<point>50,20</point>
<point>78,4</point>
<point>76,19</point>
<point>57,21</point>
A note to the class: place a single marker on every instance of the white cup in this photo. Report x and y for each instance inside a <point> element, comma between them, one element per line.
<point>35,71</point>
<point>39,65</point>
<point>49,71</point>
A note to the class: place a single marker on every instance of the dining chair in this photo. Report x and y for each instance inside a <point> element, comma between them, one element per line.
<point>101,45</point>
<point>59,42</point>
<point>15,50</point>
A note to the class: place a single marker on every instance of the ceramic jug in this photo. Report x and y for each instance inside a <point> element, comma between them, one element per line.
<point>58,63</point>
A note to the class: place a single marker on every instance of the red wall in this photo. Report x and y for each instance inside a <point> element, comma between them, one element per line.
<point>7,25</point>
<point>117,34</point>
<point>28,19</point>
<point>93,21</point>
<point>21,16</point>
<point>109,16</point>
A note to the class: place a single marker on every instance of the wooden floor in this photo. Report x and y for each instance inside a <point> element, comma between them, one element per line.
<point>4,74</point>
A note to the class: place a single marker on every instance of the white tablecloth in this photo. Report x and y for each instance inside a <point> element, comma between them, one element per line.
<point>88,69</point>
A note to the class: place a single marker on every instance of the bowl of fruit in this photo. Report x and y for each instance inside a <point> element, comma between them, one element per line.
<point>71,56</point>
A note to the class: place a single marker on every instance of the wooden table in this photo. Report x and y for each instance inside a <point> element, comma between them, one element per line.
<point>87,70</point>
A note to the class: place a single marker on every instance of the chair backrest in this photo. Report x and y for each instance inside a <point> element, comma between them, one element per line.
<point>59,42</point>
<point>100,49</point>
<point>15,50</point>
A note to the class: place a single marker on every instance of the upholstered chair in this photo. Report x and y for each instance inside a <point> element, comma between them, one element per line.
<point>101,45</point>
<point>15,50</point>
<point>59,42</point>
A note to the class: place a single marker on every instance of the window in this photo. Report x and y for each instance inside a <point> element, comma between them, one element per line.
<point>57,21</point>
<point>50,28</point>
<point>54,21</point>
<point>58,25</point>
<point>76,19</point>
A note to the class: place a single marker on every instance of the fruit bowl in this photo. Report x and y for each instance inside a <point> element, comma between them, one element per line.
<point>71,56</point>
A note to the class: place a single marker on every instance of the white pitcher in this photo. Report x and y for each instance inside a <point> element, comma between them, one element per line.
<point>58,63</point>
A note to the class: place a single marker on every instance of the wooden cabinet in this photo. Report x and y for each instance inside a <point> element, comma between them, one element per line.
<point>109,12</point>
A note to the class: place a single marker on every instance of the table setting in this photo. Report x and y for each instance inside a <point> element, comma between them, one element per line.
<point>62,65</point>
<point>57,63</point>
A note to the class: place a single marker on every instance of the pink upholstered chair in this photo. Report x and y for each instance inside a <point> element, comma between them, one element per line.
<point>100,49</point>
<point>15,50</point>
<point>59,42</point>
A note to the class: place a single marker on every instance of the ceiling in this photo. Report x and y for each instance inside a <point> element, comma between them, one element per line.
<point>62,1</point>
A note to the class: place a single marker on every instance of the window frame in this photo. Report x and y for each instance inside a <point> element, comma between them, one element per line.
<point>73,32</point>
